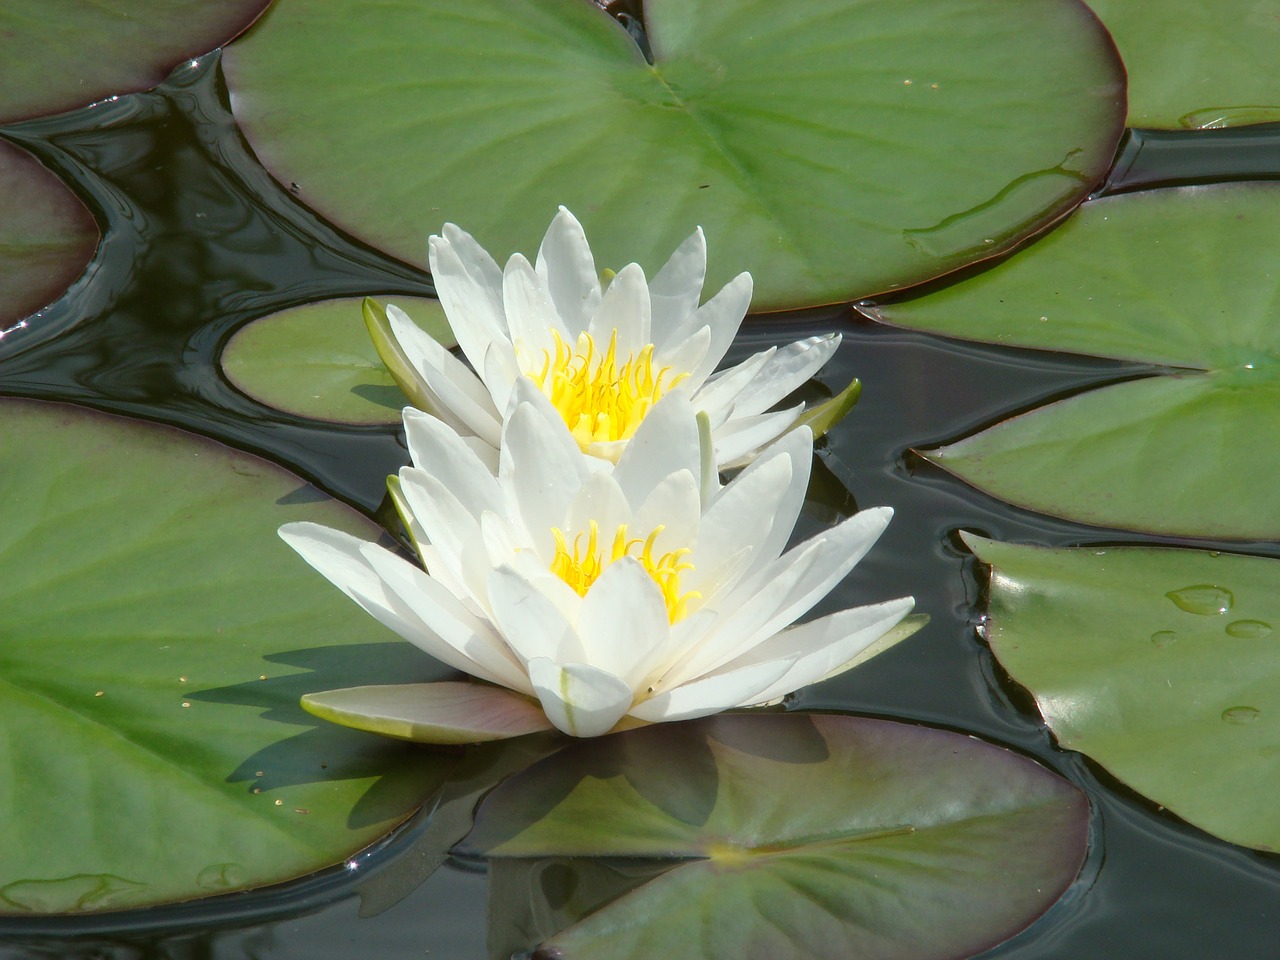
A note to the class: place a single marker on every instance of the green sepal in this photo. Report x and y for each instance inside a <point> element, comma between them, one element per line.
<point>393,357</point>
<point>826,415</point>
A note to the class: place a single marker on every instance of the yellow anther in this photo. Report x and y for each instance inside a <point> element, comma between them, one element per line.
<point>580,566</point>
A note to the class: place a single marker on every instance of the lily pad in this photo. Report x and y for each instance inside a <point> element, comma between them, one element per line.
<point>60,54</point>
<point>910,842</point>
<point>47,236</point>
<point>1163,665</point>
<point>317,360</point>
<point>155,636</point>
<point>827,147</point>
<point>1196,64</point>
<point>1184,278</point>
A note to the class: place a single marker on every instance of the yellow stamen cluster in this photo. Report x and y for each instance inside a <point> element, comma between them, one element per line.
<point>582,564</point>
<point>601,396</point>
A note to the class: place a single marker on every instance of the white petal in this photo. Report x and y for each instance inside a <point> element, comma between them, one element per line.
<point>665,443</point>
<point>530,313</point>
<point>531,622</point>
<point>449,524</point>
<point>740,517</point>
<point>541,469</point>
<point>599,499</point>
<point>674,504</point>
<point>463,640</point>
<point>439,451</point>
<point>624,308</point>
<point>486,453</point>
<point>711,694</point>
<point>580,700</point>
<point>723,313</point>
<point>822,645</point>
<point>683,357</point>
<point>787,369</point>
<point>499,371</point>
<point>739,439</point>
<point>469,286</point>
<point>797,446</point>
<point>676,288</point>
<point>623,619</point>
<point>720,392</point>
<point>459,390</point>
<point>568,271</point>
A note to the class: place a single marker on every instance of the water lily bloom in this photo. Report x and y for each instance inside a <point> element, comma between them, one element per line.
<point>646,592</point>
<point>603,356</point>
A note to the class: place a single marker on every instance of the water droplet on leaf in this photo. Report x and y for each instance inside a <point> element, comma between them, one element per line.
<point>1203,599</point>
<point>1241,715</point>
<point>1249,629</point>
<point>1163,638</point>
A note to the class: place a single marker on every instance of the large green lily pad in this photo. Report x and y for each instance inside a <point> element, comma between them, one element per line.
<point>1163,665</point>
<point>155,635</point>
<point>1185,278</point>
<point>833,148</point>
<point>47,236</point>
<point>1197,64</point>
<point>794,837</point>
<point>59,54</point>
<point>317,360</point>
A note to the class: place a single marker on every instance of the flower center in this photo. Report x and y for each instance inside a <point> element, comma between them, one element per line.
<point>580,565</point>
<point>601,396</point>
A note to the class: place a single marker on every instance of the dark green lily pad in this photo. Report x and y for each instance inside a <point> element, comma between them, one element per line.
<point>833,148</point>
<point>1184,278</point>
<point>1196,64</point>
<point>155,635</point>
<point>909,842</point>
<point>47,236</point>
<point>60,54</point>
<point>317,360</point>
<point>1163,665</point>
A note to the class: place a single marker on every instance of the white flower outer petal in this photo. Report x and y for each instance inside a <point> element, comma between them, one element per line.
<point>822,645</point>
<point>469,285</point>
<point>533,625</point>
<point>739,439</point>
<point>665,443</point>
<point>712,694</point>
<point>580,700</point>
<point>531,316</point>
<point>718,395</point>
<point>623,618</point>
<point>568,271</point>
<point>676,288</point>
<point>624,308</point>
<point>723,313</point>
<point>786,370</point>
<point>434,448</point>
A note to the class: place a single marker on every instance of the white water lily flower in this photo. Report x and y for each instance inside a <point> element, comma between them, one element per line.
<point>647,591</point>
<point>602,356</point>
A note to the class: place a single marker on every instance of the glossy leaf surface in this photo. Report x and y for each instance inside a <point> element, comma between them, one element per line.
<point>1193,64</point>
<point>1184,278</point>
<point>60,54</point>
<point>827,147</point>
<point>155,635</point>
<point>910,842</point>
<point>1160,664</point>
<point>317,360</point>
<point>47,237</point>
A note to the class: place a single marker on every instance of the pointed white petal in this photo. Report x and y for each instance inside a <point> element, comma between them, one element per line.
<point>459,638</point>
<point>499,370</point>
<point>623,618</point>
<point>710,695</point>
<point>676,288</point>
<point>459,390</point>
<point>530,313</point>
<point>624,308</point>
<point>675,505</point>
<point>531,622</point>
<point>468,283</point>
<point>786,370</point>
<point>599,499</point>
<point>739,439</point>
<point>540,470</point>
<point>797,446</point>
<point>579,700</point>
<point>439,451</point>
<point>568,271</point>
<point>486,453</point>
<point>723,313</point>
<point>822,645</point>
<point>683,357</point>
<point>721,390</point>
<point>665,443</point>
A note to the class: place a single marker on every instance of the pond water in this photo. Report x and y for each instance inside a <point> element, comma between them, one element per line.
<point>198,240</point>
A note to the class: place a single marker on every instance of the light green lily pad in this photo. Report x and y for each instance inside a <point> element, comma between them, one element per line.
<point>60,54</point>
<point>1196,64</point>
<point>1163,665</point>
<point>832,148</point>
<point>1185,278</point>
<point>317,360</point>
<point>908,843</point>
<point>47,236</point>
<point>155,635</point>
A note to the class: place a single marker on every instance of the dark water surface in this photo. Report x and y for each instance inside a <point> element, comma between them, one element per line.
<point>198,240</point>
